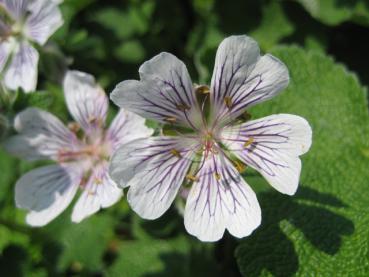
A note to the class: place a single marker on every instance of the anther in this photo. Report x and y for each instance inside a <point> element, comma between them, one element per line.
<point>228,102</point>
<point>246,116</point>
<point>239,166</point>
<point>74,127</point>
<point>98,181</point>
<point>170,119</point>
<point>182,107</point>
<point>176,153</point>
<point>217,176</point>
<point>248,142</point>
<point>203,89</point>
<point>192,178</point>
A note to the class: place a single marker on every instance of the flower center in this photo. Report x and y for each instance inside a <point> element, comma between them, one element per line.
<point>209,144</point>
<point>94,153</point>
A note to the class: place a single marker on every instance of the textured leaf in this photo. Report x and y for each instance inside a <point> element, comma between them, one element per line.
<point>322,231</point>
<point>334,12</point>
<point>273,27</point>
<point>79,246</point>
<point>152,258</point>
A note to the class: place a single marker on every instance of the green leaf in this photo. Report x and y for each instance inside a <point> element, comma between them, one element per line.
<point>156,257</point>
<point>334,12</point>
<point>79,246</point>
<point>130,51</point>
<point>273,27</point>
<point>322,231</point>
<point>125,23</point>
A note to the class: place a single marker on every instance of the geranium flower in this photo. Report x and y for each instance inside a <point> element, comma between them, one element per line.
<point>22,23</point>
<point>81,153</point>
<point>212,145</point>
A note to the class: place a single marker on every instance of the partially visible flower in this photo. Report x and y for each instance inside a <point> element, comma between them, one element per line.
<point>81,153</point>
<point>22,23</point>
<point>214,143</point>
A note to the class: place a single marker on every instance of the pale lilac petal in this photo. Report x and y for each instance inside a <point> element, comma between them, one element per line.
<point>86,101</point>
<point>22,70</point>
<point>220,200</point>
<point>41,136</point>
<point>16,8</point>
<point>47,191</point>
<point>127,127</point>
<point>100,191</point>
<point>5,51</point>
<point>154,168</point>
<point>44,19</point>
<point>165,92</point>
<point>243,78</point>
<point>272,145</point>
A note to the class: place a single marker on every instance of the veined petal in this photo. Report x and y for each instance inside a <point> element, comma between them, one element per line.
<point>22,70</point>
<point>242,78</point>
<point>44,19</point>
<point>154,168</point>
<point>272,145</point>
<point>46,192</point>
<point>220,199</point>
<point>100,191</point>
<point>127,127</point>
<point>86,101</point>
<point>41,136</point>
<point>17,9</point>
<point>165,92</point>
<point>5,51</point>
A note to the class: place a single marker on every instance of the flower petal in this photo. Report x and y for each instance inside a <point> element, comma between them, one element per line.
<point>5,51</point>
<point>46,192</point>
<point>154,168</point>
<point>41,135</point>
<point>242,78</point>
<point>86,101</point>
<point>44,19</point>
<point>22,70</point>
<point>165,92</point>
<point>220,200</point>
<point>127,127</point>
<point>99,192</point>
<point>272,145</point>
<point>17,9</point>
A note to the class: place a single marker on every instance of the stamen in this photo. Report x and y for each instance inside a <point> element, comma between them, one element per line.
<point>218,176</point>
<point>182,107</point>
<point>202,89</point>
<point>246,116</point>
<point>248,142</point>
<point>95,120</point>
<point>209,135</point>
<point>170,119</point>
<point>239,166</point>
<point>192,178</point>
<point>228,102</point>
<point>84,181</point>
<point>74,127</point>
<point>98,181</point>
<point>176,153</point>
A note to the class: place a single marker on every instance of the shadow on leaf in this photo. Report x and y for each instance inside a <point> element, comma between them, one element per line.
<point>269,248</point>
<point>13,261</point>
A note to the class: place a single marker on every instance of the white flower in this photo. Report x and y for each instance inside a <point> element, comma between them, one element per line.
<point>81,155</point>
<point>210,157</point>
<point>22,23</point>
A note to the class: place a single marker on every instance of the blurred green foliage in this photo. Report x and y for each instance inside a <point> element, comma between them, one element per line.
<point>322,231</point>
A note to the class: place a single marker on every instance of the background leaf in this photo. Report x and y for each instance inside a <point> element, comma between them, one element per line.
<point>323,230</point>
